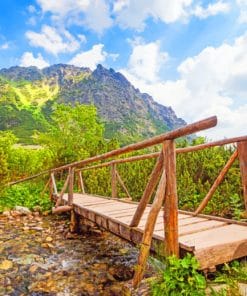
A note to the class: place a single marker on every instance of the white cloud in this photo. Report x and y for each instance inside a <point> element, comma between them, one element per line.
<point>212,9</point>
<point>52,41</point>
<point>118,5</point>
<point>146,60</point>
<point>82,38</point>
<point>133,13</point>
<point>28,59</point>
<point>243,11</point>
<point>4,46</point>
<point>90,58</point>
<point>212,83</point>
<point>95,14</point>
<point>31,9</point>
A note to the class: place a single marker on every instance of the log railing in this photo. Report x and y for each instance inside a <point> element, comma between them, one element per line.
<point>163,177</point>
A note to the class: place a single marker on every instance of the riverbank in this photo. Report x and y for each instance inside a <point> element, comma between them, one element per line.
<point>39,256</point>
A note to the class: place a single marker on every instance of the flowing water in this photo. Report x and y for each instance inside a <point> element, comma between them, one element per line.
<point>38,256</point>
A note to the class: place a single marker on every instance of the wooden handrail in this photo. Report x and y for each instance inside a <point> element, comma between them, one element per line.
<point>180,132</point>
<point>178,151</point>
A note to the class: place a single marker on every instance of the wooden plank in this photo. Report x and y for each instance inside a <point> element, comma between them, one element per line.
<point>242,154</point>
<point>114,227</point>
<point>198,227</point>
<point>101,221</point>
<point>210,217</point>
<point>113,208</point>
<point>209,238</point>
<point>98,203</point>
<point>222,253</point>
<point>183,222</point>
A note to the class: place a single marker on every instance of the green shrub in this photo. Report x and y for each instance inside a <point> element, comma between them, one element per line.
<point>180,277</point>
<point>25,194</point>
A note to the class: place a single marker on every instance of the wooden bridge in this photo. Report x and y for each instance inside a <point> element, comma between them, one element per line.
<point>213,240</point>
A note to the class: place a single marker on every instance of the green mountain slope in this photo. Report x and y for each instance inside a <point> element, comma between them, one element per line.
<point>27,96</point>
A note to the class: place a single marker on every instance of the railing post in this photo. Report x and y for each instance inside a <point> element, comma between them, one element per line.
<point>81,183</point>
<point>171,200</point>
<point>71,186</point>
<point>242,154</point>
<point>54,185</point>
<point>50,188</point>
<point>149,229</point>
<point>152,183</point>
<point>113,181</point>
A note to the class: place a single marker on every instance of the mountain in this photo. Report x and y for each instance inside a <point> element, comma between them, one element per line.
<point>28,94</point>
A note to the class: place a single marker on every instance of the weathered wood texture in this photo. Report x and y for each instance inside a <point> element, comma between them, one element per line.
<point>71,186</point>
<point>180,132</point>
<point>59,200</point>
<point>171,201</point>
<point>242,154</point>
<point>54,184</point>
<point>149,229</point>
<point>61,209</point>
<point>211,144</point>
<point>80,182</point>
<point>217,182</point>
<point>212,241</point>
<point>152,183</point>
<point>113,181</point>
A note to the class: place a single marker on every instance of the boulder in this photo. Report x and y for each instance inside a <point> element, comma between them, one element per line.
<point>22,210</point>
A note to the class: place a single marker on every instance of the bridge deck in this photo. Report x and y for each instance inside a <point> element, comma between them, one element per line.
<point>212,241</point>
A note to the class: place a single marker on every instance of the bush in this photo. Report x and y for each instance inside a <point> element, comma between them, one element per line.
<point>180,277</point>
<point>27,195</point>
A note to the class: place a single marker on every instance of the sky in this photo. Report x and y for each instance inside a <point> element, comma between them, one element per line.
<point>188,54</point>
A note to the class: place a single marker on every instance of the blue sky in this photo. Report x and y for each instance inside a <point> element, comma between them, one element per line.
<point>188,54</point>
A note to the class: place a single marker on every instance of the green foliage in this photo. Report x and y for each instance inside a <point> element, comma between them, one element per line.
<point>7,139</point>
<point>196,173</point>
<point>26,194</point>
<point>180,277</point>
<point>230,275</point>
<point>76,134</point>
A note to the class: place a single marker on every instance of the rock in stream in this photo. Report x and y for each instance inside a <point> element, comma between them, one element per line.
<point>39,257</point>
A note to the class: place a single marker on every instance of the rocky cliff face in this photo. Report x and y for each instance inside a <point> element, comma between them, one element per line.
<point>125,111</point>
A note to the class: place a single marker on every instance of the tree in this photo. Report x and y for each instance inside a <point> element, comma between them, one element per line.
<point>76,133</point>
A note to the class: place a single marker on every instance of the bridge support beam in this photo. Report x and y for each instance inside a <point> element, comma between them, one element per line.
<point>113,181</point>
<point>242,154</point>
<point>148,231</point>
<point>171,201</point>
<point>74,222</point>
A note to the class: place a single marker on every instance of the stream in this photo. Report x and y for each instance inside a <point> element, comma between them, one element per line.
<point>39,256</point>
